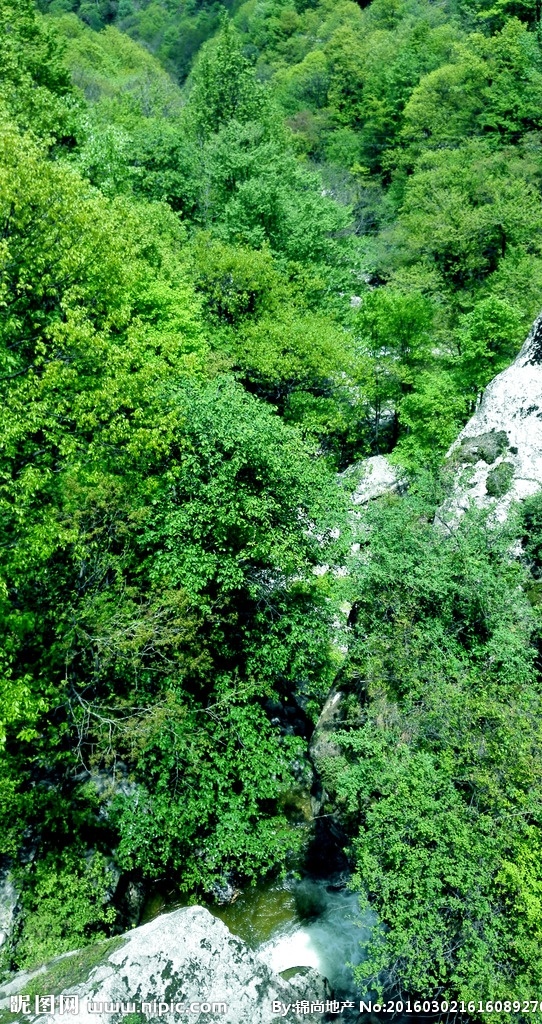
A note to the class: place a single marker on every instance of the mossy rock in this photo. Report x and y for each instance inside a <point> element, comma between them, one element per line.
<point>71,969</point>
<point>296,972</point>
<point>534,594</point>
<point>65,972</point>
<point>499,480</point>
<point>486,447</point>
<point>330,770</point>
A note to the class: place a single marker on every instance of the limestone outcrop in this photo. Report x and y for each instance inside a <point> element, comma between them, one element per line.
<point>183,966</point>
<point>497,458</point>
<point>9,902</point>
<point>323,745</point>
<point>372,478</point>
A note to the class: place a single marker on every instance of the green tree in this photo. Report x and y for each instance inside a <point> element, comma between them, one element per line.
<point>441,756</point>
<point>159,532</point>
<point>431,417</point>
<point>34,82</point>
<point>489,338</point>
<point>463,211</point>
<point>392,344</point>
<point>492,88</point>
<point>223,87</point>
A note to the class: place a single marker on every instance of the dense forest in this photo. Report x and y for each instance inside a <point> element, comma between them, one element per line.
<point>243,247</point>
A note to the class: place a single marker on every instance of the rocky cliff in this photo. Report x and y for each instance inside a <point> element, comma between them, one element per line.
<point>497,458</point>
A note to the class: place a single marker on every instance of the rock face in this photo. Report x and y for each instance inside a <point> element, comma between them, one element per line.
<point>497,457</point>
<point>328,759</point>
<point>323,744</point>
<point>373,477</point>
<point>9,899</point>
<point>159,972</point>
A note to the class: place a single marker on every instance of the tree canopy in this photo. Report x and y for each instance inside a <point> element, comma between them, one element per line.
<point>243,246</point>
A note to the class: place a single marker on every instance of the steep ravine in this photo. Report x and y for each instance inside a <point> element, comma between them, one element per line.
<point>249,951</point>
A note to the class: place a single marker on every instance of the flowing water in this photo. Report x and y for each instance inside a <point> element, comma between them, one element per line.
<point>307,923</point>
<point>303,924</point>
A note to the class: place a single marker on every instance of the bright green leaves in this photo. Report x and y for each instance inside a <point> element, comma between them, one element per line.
<point>441,760</point>
<point>67,903</point>
<point>168,392</point>
<point>493,87</point>
<point>305,85</point>
<point>253,192</point>
<point>520,882</point>
<point>392,332</point>
<point>223,87</point>
<point>175,36</point>
<point>115,73</point>
<point>241,497</point>
<point>292,351</point>
<point>211,777</point>
<point>489,338</point>
<point>192,610</point>
<point>393,350</point>
<point>414,117</point>
<point>493,14</point>
<point>463,212</point>
<point>34,83</point>
<point>431,417</point>
<point>96,315</point>
<point>30,49</point>
<point>160,527</point>
<point>96,304</point>
<point>429,858</point>
<point>235,282</point>
<point>373,72</point>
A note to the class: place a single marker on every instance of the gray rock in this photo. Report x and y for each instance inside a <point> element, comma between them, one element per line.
<point>326,754</point>
<point>108,785</point>
<point>374,477</point>
<point>9,902</point>
<point>497,458</point>
<point>322,744</point>
<point>224,891</point>
<point>156,970</point>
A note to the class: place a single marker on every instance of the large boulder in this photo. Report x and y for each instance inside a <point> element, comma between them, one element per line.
<point>497,458</point>
<point>158,973</point>
<point>372,478</point>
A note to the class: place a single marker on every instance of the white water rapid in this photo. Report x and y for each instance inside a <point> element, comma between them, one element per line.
<point>326,933</point>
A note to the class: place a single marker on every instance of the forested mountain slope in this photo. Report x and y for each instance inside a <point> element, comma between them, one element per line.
<point>234,260</point>
<point>424,122</point>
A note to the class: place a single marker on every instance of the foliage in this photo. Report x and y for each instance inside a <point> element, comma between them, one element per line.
<point>235,282</point>
<point>223,87</point>
<point>489,338</point>
<point>200,811</point>
<point>490,87</point>
<point>34,82</point>
<point>66,903</point>
<point>159,531</point>
<point>392,339</point>
<point>442,778</point>
<point>463,211</point>
<point>233,261</point>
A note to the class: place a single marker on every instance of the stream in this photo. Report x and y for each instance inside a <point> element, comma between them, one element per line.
<point>306,923</point>
<point>310,922</point>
